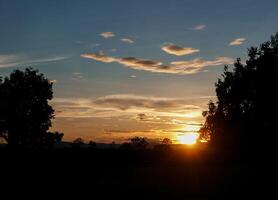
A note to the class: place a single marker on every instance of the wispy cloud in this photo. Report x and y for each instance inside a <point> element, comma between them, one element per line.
<point>237,41</point>
<point>126,105</point>
<point>196,65</point>
<point>132,76</point>
<point>176,67</point>
<point>107,34</point>
<point>200,27</point>
<point>53,81</point>
<point>91,45</point>
<point>128,101</point>
<point>127,40</point>
<point>9,60</point>
<point>17,60</point>
<point>128,115</point>
<point>177,50</point>
<point>45,60</point>
<point>109,131</point>
<point>77,76</point>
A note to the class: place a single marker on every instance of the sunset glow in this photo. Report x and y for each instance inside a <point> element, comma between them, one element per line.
<point>140,98</point>
<point>122,69</point>
<point>188,138</point>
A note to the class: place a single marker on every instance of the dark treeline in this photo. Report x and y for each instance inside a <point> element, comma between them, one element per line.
<point>238,126</point>
<point>245,115</point>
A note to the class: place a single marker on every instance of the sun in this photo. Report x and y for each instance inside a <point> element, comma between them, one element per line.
<point>188,138</point>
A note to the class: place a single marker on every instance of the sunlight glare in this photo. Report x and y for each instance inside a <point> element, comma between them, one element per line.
<point>188,138</point>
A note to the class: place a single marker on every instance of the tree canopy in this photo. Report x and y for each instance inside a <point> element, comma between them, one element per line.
<point>25,115</point>
<point>139,142</point>
<point>166,141</point>
<point>246,110</point>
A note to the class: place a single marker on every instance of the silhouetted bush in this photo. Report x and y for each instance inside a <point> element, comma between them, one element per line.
<point>139,142</point>
<point>52,138</point>
<point>92,144</point>
<point>78,143</point>
<point>166,141</point>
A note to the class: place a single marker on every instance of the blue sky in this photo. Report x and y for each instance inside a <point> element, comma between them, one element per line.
<point>52,35</point>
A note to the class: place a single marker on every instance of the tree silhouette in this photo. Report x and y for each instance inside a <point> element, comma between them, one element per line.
<point>164,146</point>
<point>52,138</point>
<point>3,133</point>
<point>166,141</point>
<point>92,144</point>
<point>25,115</point>
<point>125,146</point>
<point>139,142</point>
<point>78,142</point>
<point>246,110</point>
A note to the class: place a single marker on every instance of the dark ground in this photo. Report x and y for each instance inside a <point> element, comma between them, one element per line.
<point>163,174</point>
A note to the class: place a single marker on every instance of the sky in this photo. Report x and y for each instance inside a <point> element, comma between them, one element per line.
<point>131,67</point>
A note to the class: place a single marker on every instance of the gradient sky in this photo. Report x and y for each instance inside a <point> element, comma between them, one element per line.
<point>131,68</point>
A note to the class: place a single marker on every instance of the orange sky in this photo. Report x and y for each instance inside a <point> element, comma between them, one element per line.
<point>120,117</point>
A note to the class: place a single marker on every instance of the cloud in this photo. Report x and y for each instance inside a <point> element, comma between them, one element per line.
<point>99,56</point>
<point>196,65</point>
<point>8,60</point>
<point>132,115</point>
<point>53,81</point>
<point>77,76</point>
<point>200,27</point>
<point>142,116</point>
<point>77,73</point>
<point>45,60</point>
<point>107,34</point>
<point>124,102</point>
<point>176,67</point>
<point>127,40</point>
<point>237,41</point>
<point>109,131</point>
<point>153,107</point>
<point>132,76</point>
<point>16,60</point>
<point>126,105</point>
<point>177,50</point>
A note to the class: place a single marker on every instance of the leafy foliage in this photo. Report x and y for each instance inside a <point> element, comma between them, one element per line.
<point>166,141</point>
<point>246,110</point>
<point>139,142</point>
<point>25,115</point>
